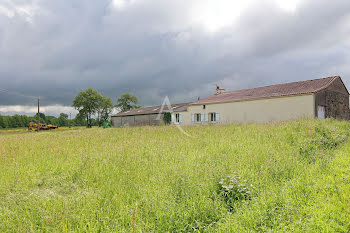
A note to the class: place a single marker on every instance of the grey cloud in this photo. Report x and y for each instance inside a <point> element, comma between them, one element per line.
<point>154,49</point>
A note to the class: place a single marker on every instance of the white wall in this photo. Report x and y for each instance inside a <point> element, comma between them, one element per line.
<point>260,111</point>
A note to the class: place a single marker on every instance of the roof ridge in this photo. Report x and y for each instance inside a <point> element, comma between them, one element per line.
<point>333,78</point>
<point>326,86</point>
<point>276,90</point>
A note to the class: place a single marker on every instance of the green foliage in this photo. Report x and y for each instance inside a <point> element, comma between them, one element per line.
<point>126,102</point>
<point>41,115</point>
<point>167,118</point>
<point>62,120</point>
<point>89,103</point>
<point>95,180</point>
<point>22,121</point>
<point>2,122</point>
<point>105,109</point>
<point>16,121</point>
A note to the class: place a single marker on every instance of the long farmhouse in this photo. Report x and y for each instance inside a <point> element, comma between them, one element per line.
<point>318,98</point>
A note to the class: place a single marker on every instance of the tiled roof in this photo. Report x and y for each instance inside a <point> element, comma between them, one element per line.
<point>153,110</point>
<point>286,89</point>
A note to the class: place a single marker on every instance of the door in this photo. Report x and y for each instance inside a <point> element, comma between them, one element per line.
<point>321,112</point>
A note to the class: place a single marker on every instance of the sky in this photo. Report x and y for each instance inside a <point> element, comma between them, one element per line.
<point>157,48</point>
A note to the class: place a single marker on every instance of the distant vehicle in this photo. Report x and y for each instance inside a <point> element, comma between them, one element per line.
<point>34,126</point>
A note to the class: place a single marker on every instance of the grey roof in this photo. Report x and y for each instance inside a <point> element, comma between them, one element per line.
<point>153,110</point>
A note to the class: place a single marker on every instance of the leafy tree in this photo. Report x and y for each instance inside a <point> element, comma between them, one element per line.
<point>105,109</point>
<point>42,116</point>
<point>126,102</point>
<point>2,122</point>
<point>52,120</point>
<point>63,115</point>
<point>63,120</point>
<point>167,118</point>
<point>87,103</point>
<point>79,121</point>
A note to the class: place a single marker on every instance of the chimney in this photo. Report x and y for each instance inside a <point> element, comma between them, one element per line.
<point>219,90</point>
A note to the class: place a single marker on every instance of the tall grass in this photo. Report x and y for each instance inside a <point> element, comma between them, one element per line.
<point>155,179</point>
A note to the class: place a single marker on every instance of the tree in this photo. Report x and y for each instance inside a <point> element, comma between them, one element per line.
<point>104,110</point>
<point>63,120</point>
<point>2,122</point>
<point>87,103</point>
<point>42,115</point>
<point>52,120</point>
<point>79,121</point>
<point>126,102</point>
<point>167,118</point>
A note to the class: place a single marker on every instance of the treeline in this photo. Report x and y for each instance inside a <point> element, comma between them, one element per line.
<point>21,121</point>
<point>93,108</point>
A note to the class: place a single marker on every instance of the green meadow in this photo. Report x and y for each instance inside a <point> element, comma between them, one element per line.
<point>282,177</point>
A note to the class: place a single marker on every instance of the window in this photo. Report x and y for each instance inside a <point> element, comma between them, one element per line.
<point>177,118</point>
<point>204,106</point>
<point>197,117</point>
<point>212,117</point>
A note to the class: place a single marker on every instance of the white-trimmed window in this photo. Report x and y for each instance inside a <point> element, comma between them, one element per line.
<point>178,118</point>
<point>212,117</point>
<point>197,117</point>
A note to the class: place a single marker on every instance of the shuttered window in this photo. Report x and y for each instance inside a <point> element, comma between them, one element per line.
<point>172,118</point>
<point>217,117</point>
<point>206,117</point>
<point>214,117</point>
<point>198,117</point>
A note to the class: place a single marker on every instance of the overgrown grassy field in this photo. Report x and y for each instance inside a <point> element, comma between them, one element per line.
<point>292,177</point>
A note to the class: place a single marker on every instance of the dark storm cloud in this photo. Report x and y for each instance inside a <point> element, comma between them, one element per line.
<point>54,49</point>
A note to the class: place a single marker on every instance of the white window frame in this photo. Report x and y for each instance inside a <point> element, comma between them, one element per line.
<point>178,117</point>
<point>211,116</point>
<point>197,116</point>
<point>217,117</point>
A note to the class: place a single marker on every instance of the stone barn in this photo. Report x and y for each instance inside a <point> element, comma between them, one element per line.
<point>145,116</point>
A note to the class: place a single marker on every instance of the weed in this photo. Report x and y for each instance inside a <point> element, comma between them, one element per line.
<point>233,189</point>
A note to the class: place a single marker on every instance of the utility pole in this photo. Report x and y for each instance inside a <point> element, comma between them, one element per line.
<point>38,127</point>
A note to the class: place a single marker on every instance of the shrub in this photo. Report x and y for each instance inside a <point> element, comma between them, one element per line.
<point>233,189</point>
<point>167,118</point>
